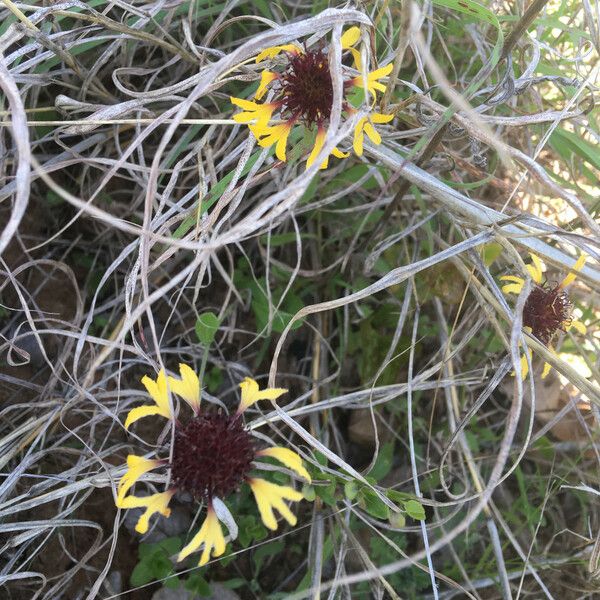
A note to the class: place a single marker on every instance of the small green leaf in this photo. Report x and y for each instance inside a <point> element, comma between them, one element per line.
<point>308,491</point>
<point>207,326</point>
<point>383,464</point>
<point>368,500</point>
<point>397,519</point>
<point>266,550</point>
<point>197,585</point>
<point>415,510</point>
<point>141,574</point>
<point>351,489</point>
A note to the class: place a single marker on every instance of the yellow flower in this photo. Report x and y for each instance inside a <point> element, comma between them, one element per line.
<point>302,92</point>
<point>373,83</point>
<point>365,125</point>
<point>548,309</point>
<point>212,455</point>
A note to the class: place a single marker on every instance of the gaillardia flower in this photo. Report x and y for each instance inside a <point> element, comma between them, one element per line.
<point>548,308</point>
<point>302,94</point>
<point>213,454</point>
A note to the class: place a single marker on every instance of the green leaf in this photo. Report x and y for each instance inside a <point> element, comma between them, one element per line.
<point>384,461</point>
<point>266,550</point>
<point>491,252</point>
<point>368,500</point>
<point>207,326</point>
<point>415,510</point>
<point>196,584</point>
<point>327,493</point>
<point>142,574</point>
<point>351,489</point>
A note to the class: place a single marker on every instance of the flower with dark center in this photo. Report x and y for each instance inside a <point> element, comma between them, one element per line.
<point>302,93</point>
<point>548,309</point>
<point>213,454</point>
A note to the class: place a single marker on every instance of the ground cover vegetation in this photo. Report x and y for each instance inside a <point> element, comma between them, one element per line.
<point>299,300</point>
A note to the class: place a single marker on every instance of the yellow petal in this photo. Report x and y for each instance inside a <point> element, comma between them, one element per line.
<point>188,387</point>
<point>243,104</point>
<point>251,394</point>
<point>350,37</point>
<point>288,458</point>
<point>380,118</point>
<point>535,270</point>
<point>381,72</point>
<point>136,467</point>
<point>156,503</point>
<point>372,133</point>
<point>357,60</point>
<point>273,51</point>
<point>276,134</point>
<point>252,111</point>
<point>547,367</point>
<point>319,141</point>
<point>512,278</point>
<point>265,79</point>
<point>144,411</point>
<point>158,390</point>
<point>524,367</point>
<point>570,278</point>
<point>359,137</point>
<point>578,325</point>
<point>339,154</point>
<point>270,496</point>
<point>211,535</point>
<point>512,288</point>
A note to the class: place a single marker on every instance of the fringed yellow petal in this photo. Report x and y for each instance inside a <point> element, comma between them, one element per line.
<point>266,77</point>
<point>188,387</point>
<point>373,83</point>
<point>261,113</point>
<point>270,496</point>
<point>158,392</point>
<point>570,278</point>
<point>512,288</point>
<point>350,37</point>
<point>578,326</point>
<point>156,503</point>
<point>319,141</point>
<point>276,134</point>
<point>251,394</point>
<point>211,535</point>
<point>136,467</point>
<point>273,51</point>
<point>288,458</point>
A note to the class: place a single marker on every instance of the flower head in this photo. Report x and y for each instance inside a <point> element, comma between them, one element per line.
<point>213,454</point>
<point>302,94</point>
<point>548,308</point>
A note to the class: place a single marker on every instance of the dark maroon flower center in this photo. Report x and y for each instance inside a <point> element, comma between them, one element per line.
<point>546,311</point>
<point>212,454</point>
<point>307,88</point>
